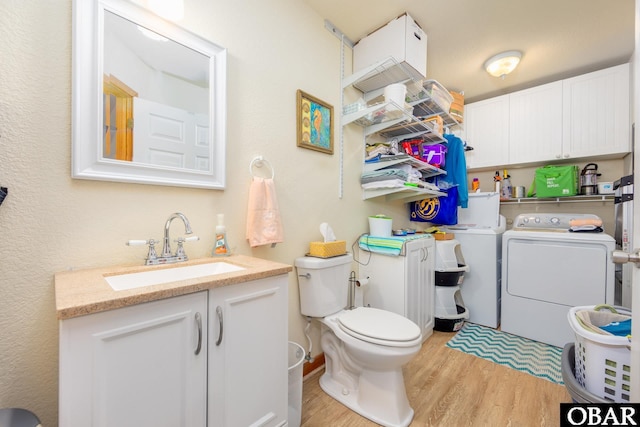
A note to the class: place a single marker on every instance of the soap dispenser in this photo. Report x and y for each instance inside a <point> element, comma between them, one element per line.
<point>221,247</point>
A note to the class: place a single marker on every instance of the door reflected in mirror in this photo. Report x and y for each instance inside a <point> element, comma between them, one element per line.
<point>156,98</point>
<point>153,111</point>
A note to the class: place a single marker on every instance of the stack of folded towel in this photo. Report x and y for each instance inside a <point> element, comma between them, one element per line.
<point>386,245</point>
<point>394,177</point>
<point>383,178</point>
<point>587,224</point>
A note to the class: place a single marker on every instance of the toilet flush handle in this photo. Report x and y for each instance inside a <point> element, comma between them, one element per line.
<point>306,275</point>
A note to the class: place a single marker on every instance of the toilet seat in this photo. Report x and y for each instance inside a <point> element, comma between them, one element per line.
<point>380,327</point>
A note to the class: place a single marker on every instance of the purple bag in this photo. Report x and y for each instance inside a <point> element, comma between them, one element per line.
<point>434,154</point>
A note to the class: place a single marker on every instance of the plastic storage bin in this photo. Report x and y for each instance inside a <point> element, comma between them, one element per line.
<point>602,362</point>
<point>450,264</point>
<point>439,94</point>
<point>401,39</point>
<point>450,267</point>
<point>296,359</point>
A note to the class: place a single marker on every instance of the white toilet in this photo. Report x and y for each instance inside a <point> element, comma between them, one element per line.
<point>365,348</point>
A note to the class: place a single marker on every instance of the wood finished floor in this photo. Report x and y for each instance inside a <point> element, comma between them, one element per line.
<point>449,388</point>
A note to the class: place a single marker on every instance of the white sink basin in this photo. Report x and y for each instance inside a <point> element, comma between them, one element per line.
<point>122,282</point>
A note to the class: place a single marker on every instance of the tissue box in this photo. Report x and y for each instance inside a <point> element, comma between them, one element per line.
<point>443,236</point>
<point>328,249</point>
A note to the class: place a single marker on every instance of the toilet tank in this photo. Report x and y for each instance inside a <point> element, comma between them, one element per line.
<point>323,284</point>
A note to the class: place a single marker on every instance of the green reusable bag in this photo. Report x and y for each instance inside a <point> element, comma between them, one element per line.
<point>555,181</point>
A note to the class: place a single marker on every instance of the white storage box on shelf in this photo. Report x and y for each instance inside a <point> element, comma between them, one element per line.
<point>401,39</point>
<point>602,362</point>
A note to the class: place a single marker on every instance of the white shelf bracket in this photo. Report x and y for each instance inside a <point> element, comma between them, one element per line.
<point>336,32</point>
<point>343,41</point>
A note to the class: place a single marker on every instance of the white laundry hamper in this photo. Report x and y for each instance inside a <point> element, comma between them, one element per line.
<point>602,362</point>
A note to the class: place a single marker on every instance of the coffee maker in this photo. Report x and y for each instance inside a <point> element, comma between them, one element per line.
<point>589,180</point>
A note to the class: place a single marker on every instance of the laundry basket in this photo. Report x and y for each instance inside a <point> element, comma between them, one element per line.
<point>18,417</point>
<point>577,391</point>
<point>602,362</point>
<point>296,357</point>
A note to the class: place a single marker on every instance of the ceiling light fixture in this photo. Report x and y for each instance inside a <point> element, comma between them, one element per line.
<point>503,63</point>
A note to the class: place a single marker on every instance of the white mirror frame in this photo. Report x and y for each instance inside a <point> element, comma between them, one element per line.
<point>87,102</point>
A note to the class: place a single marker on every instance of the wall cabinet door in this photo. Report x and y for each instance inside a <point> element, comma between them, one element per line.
<point>596,113</point>
<point>487,131</point>
<point>248,379</point>
<point>582,117</point>
<point>535,124</point>
<point>144,365</point>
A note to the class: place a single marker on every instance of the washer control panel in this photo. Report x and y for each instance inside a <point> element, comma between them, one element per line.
<point>550,221</point>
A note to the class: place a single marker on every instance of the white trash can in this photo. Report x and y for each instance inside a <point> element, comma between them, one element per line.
<point>296,359</point>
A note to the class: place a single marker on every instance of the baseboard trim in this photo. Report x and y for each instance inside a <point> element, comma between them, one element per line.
<point>309,367</point>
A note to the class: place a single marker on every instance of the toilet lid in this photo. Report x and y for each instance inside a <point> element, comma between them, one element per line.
<point>379,326</point>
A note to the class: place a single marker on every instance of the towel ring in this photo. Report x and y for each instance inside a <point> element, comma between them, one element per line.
<point>259,162</point>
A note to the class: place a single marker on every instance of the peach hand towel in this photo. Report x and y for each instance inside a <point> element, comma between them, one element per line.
<point>264,225</point>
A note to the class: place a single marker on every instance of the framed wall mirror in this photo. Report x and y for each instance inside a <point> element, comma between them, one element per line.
<point>148,99</point>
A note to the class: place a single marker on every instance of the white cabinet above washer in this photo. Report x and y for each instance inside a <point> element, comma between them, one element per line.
<point>582,117</point>
<point>595,119</point>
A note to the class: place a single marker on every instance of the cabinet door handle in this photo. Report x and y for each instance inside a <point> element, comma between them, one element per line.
<point>219,313</point>
<point>199,323</point>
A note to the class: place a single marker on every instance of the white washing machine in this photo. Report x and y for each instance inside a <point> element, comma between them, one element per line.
<point>479,231</point>
<point>548,269</point>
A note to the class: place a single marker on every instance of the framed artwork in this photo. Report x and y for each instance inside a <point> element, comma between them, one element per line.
<point>314,123</point>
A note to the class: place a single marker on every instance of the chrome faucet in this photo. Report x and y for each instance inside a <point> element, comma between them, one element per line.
<point>166,246</point>
<point>166,257</point>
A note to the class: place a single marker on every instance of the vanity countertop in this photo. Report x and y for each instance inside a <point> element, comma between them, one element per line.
<point>81,292</point>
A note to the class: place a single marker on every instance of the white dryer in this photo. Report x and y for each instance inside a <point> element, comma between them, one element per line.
<point>479,232</point>
<point>548,269</point>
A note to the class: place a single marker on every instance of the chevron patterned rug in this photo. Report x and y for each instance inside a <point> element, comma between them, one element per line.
<point>535,358</point>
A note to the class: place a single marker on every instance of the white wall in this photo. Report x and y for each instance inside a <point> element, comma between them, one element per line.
<point>50,222</point>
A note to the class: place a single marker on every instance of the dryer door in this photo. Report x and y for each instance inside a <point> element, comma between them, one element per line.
<point>566,272</point>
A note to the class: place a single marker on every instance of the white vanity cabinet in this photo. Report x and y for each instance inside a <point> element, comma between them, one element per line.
<point>248,337</point>
<point>403,284</point>
<point>142,365</point>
